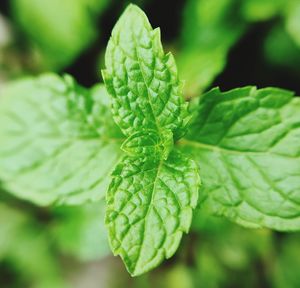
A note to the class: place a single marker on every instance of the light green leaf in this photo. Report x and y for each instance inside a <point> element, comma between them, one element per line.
<point>57,143</point>
<point>60,29</point>
<point>246,142</point>
<point>210,28</point>
<point>149,205</point>
<point>292,20</point>
<point>262,10</point>
<point>149,142</point>
<point>142,80</point>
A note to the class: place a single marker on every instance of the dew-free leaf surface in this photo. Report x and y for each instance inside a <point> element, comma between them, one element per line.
<point>246,142</point>
<point>141,78</point>
<point>150,204</point>
<point>58,142</point>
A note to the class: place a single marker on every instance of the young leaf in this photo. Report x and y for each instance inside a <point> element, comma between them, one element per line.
<point>246,142</point>
<point>149,205</point>
<point>154,189</point>
<point>57,143</point>
<point>148,142</point>
<point>142,80</point>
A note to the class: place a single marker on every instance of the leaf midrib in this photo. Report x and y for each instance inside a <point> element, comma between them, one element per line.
<point>159,167</point>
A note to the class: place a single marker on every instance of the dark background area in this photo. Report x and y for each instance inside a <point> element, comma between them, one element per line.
<point>244,65</point>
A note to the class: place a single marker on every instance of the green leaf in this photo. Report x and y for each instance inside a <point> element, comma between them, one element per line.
<point>225,251</point>
<point>149,206</point>
<point>292,20</point>
<point>59,29</point>
<point>142,80</point>
<point>246,142</point>
<point>154,189</point>
<point>262,10</point>
<point>210,28</point>
<point>285,273</point>
<point>25,245</point>
<point>287,52</point>
<point>148,142</point>
<point>57,143</point>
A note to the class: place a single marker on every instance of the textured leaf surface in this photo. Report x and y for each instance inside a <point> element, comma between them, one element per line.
<point>246,142</point>
<point>149,142</point>
<point>150,203</point>
<point>141,79</point>
<point>57,140</point>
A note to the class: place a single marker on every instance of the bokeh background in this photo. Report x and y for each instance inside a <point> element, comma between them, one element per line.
<point>226,43</point>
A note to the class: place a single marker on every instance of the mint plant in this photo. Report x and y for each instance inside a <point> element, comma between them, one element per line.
<point>59,144</point>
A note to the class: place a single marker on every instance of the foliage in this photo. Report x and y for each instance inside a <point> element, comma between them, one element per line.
<point>61,30</point>
<point>169,155</point>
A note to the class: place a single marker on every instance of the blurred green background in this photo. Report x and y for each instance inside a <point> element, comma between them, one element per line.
<point>226,43</point>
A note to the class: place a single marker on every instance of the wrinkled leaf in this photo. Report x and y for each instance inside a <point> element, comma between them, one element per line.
<point>57,140</point>
<point>246,142</point>
<point>149,205</point>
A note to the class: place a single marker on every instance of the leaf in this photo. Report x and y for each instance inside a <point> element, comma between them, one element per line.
<point>225,251</point>
<point>210,28</point>
<point>292,20</point>
<point>26,247</point>
<point>142,80</point>
<point>262,10</point>
<point>148,142</point>
<point>59,29</point>
<point>154,189</point>
<point>286,54</point>
<point>285,273</point>
<point>57,143</point>
<point>149,205</point>
<point>246,142</point>
<point>79,231</point>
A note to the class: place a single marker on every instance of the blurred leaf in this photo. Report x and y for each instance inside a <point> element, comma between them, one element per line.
<point>58,141</point>
<point>26,247</point>
<point>287,52</point>
<point>293,20</point>
<point>61,29</point>
<point>286,271</point>
<point>210,272</point>
<point>79,231</point>
<point>261,10</point>
<point>225,250</point>
<point>178,277</point>
<point>209,30</point>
